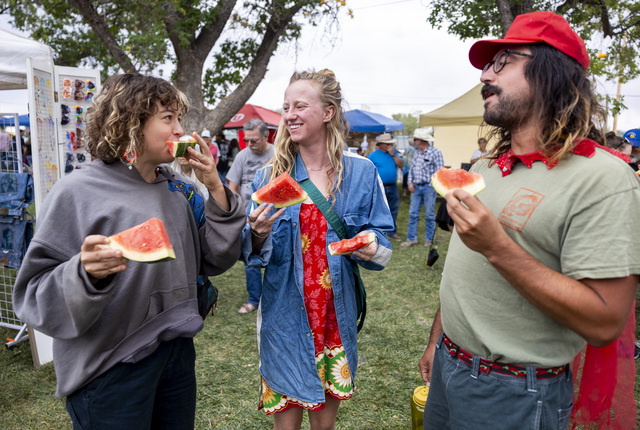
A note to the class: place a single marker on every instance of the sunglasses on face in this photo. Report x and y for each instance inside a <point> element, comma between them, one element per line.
<point>501,60</point>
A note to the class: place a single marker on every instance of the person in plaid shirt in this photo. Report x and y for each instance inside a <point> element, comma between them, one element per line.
<point>426,161</point>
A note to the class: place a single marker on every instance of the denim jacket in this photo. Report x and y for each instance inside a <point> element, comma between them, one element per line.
<point>285,341</point>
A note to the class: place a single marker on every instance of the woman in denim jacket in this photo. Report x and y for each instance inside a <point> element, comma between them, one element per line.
<point>307,315</point>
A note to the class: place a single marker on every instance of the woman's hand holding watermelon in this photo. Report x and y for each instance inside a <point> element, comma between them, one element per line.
<point>99,260</point>
<point>368,251</point>
<point>206,171</point>
<point>261,223</point>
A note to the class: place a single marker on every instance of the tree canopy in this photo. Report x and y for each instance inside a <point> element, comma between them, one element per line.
<point>150,36</point>
<point>610,28</point>
<point>410,122</point>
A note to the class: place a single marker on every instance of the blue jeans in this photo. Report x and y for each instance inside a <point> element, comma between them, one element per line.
<point>254,284</point>
<point>158,392</point>
<point>461,397</point>
<point>393,199</point>
<point>223,177</point>
<point>424,195</point>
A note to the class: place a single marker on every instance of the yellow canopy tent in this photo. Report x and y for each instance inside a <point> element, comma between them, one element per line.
<point>457,126</point>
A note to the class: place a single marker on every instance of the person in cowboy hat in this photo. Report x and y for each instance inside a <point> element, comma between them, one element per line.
<point>387,160</point>
<point>427,160</point>
<point>539,265</point>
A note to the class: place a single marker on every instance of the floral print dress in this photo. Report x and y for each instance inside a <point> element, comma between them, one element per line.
<point>331,360</point>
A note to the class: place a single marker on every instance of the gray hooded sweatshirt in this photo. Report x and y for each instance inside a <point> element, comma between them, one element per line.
<point>122,318</point>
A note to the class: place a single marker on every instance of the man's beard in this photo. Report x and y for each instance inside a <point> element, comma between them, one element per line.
<point>507,112</point>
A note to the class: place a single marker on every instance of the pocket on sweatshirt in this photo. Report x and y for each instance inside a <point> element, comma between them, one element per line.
<point>160,301</point>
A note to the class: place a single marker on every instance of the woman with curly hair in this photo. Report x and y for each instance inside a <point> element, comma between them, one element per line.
<point>307,313</point>
<point>123,330</point>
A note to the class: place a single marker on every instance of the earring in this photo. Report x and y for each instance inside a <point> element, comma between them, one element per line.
<point>130,156</point>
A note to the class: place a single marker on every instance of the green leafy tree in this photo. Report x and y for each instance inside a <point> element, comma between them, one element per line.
<point>610,28</point>
<point>150,36</point>
<point>410,122</point>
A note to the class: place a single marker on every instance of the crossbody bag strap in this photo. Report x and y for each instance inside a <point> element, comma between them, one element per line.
<point>324,206</point>
<point>338,226</point>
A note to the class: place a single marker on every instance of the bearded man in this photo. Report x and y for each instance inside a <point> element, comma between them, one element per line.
<point>546,258</point>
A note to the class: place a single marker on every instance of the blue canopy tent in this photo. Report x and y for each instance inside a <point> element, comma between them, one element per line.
<point>370,122</point>
<point>22,120</point>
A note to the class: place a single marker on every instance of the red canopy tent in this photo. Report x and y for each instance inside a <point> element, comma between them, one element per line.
<point>249,111</point>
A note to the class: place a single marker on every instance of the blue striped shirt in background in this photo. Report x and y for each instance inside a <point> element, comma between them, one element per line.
<point>424,165</point>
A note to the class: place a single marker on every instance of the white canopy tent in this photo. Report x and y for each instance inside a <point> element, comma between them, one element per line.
<point>14,50</point>
<point>457,126</point>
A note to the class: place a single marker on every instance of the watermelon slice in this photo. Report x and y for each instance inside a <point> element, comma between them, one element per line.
<point>446,180</point>
<point>347,246</point>
<point>283,191</point>
<point>178,148</point>
<point>146,242</point>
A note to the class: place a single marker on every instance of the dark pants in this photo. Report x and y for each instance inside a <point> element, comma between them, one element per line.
<point>462,397</point>
<point>158,392</point>
<point>393,199</point>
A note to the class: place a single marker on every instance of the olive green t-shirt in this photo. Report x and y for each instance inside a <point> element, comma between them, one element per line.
<point>581,218</point>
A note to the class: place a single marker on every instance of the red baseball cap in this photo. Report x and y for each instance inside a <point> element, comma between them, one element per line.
<point>529,28</point>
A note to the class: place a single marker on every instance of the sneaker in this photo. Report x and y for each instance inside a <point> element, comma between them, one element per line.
<point>395,237</point>
<point>427,243</point>
<point>409,243</point>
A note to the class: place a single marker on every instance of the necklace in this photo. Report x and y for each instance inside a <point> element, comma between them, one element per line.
<point>320,169</point>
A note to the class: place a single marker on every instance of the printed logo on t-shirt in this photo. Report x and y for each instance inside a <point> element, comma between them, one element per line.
<point>519,209</point>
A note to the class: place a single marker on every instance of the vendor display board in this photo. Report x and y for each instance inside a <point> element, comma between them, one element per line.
<point>76,89</point>
<point>59,99</point>
<point>44,146</point>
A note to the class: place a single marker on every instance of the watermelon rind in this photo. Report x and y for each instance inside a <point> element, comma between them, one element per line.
<point>348,246</point>
<point>473,182</point>
<point>283,191</point>
<point>152,245</point>
<point>179,147</point>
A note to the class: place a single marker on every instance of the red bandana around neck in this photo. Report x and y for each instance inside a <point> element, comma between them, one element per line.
<point>586,148</point>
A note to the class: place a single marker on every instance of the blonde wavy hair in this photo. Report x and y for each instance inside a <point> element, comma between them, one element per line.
<point>564,102</point>
<point>285,149</point>
<point>115,122</point>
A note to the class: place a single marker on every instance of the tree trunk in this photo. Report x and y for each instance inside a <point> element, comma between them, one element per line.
<point>506,16</point>
<point>509,9</point>
<point>189,81</point>
<point>230,105</point>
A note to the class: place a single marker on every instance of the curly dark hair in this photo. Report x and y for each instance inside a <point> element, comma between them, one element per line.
<point>120,111</point>
<point>563,101</point>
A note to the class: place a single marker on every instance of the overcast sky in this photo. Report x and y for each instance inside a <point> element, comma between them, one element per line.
<point>389,60</point>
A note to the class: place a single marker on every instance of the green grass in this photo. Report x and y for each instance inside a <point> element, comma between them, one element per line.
<point>402,301</point>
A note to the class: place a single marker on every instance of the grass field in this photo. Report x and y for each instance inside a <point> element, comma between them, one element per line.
<point>402,301</point>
